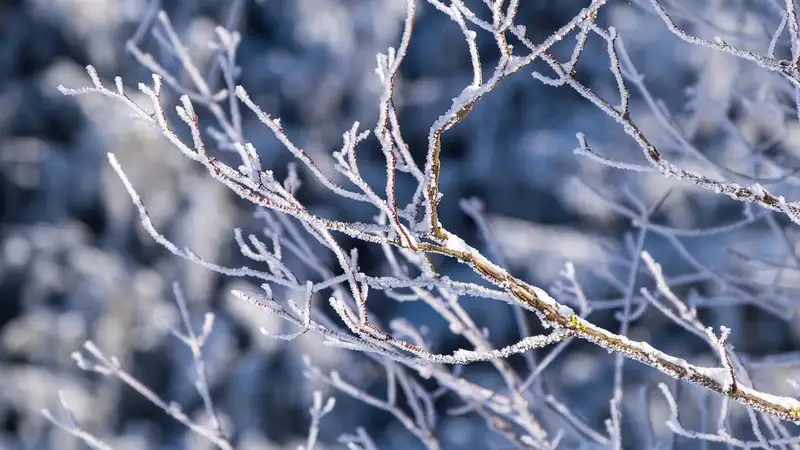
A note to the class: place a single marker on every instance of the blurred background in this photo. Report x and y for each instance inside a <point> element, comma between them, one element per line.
<point>76,264</point>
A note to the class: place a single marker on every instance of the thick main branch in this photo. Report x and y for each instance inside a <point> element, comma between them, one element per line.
<point>560,316</point>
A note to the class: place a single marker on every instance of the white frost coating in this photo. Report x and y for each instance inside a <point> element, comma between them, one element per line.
<point>757,190</point>
<point>787,402</point>
<point>718,374</point>
<point>467,96</point>
<point>456,243</point>
<point>456,328</point>
<point>650,350</point>
<point>565,311</point>
<point>647,348</point>
<point>546,298</point>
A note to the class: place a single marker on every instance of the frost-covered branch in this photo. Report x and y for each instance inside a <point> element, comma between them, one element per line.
<point>303,252</point>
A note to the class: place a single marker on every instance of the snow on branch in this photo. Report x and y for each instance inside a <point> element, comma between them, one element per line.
<point>410,243</point>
